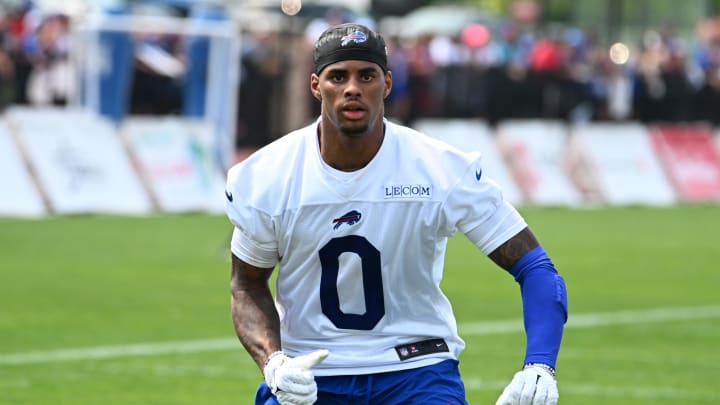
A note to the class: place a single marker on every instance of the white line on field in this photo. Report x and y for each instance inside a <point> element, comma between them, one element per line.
<point>130,350</point>
<point>596,391</point>
<point>597,319</point>
<point>590,320</point>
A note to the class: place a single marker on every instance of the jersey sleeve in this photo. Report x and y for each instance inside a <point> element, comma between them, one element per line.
<point>253,239</point>
<point>477,208</point>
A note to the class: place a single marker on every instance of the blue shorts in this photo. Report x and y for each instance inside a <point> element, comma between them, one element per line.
<point>438,384</point>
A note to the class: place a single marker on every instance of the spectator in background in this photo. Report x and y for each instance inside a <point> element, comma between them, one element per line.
<point>421,70</point>
<point>452,78</point>
<point>398,102</point>
<point>508,80</point>
<point>547,64</point>
<point>51,79</point>
<point>678,96</point>
<point>17,31</point>
<point>706,102</point>
<point>261,85</point>
<point>36,56</point>
<point>649,88</point>
<point>662,90</point>
<point>7,68</point>
<point>610,87</point>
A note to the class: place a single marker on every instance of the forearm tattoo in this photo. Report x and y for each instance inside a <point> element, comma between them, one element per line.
<point>511,251</point>
<point>254,315</point>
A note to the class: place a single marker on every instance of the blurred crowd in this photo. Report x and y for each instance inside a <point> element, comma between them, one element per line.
<point>492,71</point>
<point>511,71</point>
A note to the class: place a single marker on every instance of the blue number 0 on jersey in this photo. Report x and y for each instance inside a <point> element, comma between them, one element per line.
<point>371,277</point>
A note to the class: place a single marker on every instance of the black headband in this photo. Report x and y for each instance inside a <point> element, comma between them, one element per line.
<point>349,42</point>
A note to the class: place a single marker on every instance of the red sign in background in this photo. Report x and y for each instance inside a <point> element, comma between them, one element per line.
<point>691,160</point>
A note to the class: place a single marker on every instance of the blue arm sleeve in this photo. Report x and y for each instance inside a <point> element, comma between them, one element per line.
<point>545,305</point>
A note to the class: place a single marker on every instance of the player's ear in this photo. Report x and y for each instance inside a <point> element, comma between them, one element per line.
<point>388,83</point>
<point>315,86</point>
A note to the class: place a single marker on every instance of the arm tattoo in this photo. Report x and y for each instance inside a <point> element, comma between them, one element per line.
<point>254,315</point>
<point>511,251</point>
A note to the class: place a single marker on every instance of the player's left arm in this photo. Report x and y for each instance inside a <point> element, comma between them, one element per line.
<point>544,314</point>
<point>543,294</point>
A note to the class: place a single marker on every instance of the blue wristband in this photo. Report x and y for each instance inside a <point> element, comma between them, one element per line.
<point>545,305</point>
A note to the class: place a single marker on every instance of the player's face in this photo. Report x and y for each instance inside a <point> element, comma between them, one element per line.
<point>352,94</point>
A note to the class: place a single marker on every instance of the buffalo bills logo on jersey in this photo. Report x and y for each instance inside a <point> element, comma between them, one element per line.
<point>357,37</point>
<point>351,218</point>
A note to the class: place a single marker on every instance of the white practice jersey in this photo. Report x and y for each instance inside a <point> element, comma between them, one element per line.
<point>361,253</point>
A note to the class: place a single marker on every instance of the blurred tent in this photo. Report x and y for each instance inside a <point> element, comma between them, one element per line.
<point>445,20</point>
<point>80,7</point>
<point>45,7</point>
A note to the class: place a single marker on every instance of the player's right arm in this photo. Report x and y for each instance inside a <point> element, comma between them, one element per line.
<point>257,324</point>
<point>254,315</point>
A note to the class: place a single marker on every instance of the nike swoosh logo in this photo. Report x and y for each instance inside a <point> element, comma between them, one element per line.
<point>228,195</point>
<point>478,174</point>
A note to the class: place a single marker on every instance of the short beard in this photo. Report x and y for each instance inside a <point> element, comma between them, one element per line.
<point>354,132</point>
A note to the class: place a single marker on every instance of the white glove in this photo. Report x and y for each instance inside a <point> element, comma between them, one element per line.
<point>290,378</point>
<point>533,385</point>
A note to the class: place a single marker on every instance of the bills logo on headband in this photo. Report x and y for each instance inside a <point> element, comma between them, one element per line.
<point>357,37</point>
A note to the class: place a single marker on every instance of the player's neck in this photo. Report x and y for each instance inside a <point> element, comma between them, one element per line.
<point>349,153</point>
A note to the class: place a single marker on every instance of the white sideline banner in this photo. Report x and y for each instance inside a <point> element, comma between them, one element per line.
<point>175,157</point>
<point>474,135</point>
<point>18,194</point>
<point>536,154</point>
<point>79,161</point>
<point>622,164</point>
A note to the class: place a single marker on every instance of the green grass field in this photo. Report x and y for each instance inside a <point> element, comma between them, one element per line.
<point>114,310</point>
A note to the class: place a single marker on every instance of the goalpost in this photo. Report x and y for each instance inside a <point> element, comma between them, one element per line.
<point>104,48</point>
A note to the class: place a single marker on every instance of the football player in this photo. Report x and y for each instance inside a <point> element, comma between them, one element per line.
<point>357,211</point>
